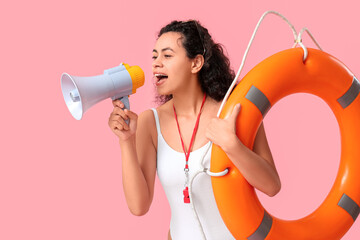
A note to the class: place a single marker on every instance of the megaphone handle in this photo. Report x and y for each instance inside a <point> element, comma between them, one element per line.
<point>125,101</point>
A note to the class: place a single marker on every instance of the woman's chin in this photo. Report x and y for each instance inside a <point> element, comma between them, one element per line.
<point>162,91</point>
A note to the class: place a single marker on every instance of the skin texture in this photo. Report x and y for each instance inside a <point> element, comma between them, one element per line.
<point>138,140</point>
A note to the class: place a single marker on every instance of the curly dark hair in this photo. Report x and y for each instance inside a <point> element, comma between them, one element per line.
<point>215,76</point>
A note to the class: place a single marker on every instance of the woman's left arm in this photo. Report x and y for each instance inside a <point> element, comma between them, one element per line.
<point>256,166</point>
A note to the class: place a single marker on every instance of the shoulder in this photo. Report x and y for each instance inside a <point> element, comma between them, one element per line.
<point>146,120</point>
<point>147,116</point>
<point>147,125</point>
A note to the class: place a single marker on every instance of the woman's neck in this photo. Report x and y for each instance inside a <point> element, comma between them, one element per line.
<point>188,103</point>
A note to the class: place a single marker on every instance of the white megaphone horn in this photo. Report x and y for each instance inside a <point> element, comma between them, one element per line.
<point>80,93</point>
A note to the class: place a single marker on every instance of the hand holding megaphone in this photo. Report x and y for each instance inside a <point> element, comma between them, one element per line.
<point>81,93</point>
<point>122,121</point>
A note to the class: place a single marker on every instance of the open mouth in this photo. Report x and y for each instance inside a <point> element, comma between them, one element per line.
<point>160,78</point>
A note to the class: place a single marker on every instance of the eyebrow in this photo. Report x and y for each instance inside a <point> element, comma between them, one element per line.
<point>164,49</point>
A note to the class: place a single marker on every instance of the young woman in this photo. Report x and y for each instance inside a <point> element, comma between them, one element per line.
<point>191,75</point>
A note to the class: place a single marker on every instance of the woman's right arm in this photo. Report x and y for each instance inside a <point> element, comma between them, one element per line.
<point>138,155</point>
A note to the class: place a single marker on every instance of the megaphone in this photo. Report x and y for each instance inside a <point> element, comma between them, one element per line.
<point>81,93</point>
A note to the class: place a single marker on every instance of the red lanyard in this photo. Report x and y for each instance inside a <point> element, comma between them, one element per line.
<point>187,154</point>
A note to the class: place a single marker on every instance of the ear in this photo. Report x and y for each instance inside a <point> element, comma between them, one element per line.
<point>197,63</point>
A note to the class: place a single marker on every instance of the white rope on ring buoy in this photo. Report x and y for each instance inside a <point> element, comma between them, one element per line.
<point>299,37</point>
<point>247,50</point>
<point>297,40</point>
<point>219,174</point>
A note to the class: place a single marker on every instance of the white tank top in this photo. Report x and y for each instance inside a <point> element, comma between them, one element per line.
<point>170,170</point>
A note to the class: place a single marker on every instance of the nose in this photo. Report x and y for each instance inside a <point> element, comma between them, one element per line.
<point>157,63</point>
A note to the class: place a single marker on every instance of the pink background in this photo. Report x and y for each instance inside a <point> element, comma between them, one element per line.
<point>61,178</point>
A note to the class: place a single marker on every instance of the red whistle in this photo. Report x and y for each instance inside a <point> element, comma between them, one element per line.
<point>186,195</point>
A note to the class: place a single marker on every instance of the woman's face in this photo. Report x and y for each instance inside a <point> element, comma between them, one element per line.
<point>171,67</point>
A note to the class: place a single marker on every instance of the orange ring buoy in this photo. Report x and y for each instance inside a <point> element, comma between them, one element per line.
<point>274,78</point>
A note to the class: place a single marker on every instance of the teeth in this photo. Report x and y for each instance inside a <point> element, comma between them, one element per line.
<point>160,75</point>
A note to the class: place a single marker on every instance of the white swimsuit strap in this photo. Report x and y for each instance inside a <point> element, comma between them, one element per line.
<point>157,121</point>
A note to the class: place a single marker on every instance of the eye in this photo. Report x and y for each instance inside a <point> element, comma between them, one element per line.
<point>167,56</point>
<point>154,57</point>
